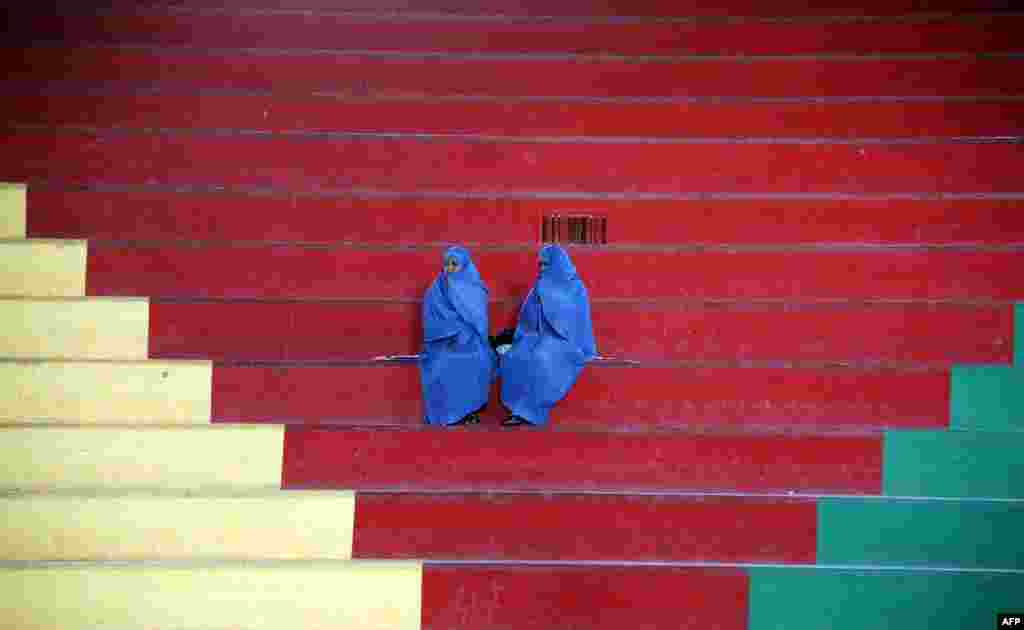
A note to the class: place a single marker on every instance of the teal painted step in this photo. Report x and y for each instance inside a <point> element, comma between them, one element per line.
<point>932,533</point>
<point>953,464</point>
<point>987,398</point>
<point>800,598</point>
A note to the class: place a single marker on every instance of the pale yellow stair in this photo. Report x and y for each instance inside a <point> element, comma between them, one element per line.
<point>12,211</point>
<point>98,392</point>
<point>42,458</point>
<point>205,596</point>
<point>74,328</point>
<point>255,525</point>
<point>42,268</point>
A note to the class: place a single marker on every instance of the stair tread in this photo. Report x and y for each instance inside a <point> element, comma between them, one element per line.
<point>608,398</point>
<point>391,32</point>
<point>325,331</point>
<point>281,271</point>
<point>523,75</point>
<point>486,167</point>
<point>142,213</point>
<point>465,460</point>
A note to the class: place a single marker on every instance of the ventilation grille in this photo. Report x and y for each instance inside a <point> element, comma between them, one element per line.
<point>578,229</point>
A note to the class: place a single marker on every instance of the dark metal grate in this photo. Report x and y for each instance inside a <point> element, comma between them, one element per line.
<point>579,229</point>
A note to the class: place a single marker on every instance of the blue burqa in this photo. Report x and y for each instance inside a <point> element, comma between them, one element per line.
<point>457,365</point>
<point>554,339</point>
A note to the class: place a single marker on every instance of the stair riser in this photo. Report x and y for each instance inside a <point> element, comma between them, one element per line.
<point>388,33</point>
<point>659,8</point>
<point>235,331</point>
<point>353,273</point>
<point>522,76</point>
<point>527,460</point>
<point>154,215</point>
<point>314,163</point>
<point>610,398</point>
<point>52,105</point>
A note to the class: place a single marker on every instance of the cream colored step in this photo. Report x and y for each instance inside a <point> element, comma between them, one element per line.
<point>97,392</point>
<point>74,328</point>
<point>12,210</point>
<point>210,458</point>
<point>42,268</point>
<point>322,596</point>
<point>272,524</point>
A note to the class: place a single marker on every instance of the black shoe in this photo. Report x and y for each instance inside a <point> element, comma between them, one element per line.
<point>503,338</point>
<point>472,418</point>
<point>514,421</point>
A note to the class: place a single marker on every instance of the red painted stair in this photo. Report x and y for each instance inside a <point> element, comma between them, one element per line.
<point>152,214</point>
<point>58,104</point>
<point>605,397</point>
<point>390,32</point>
<point>596,598</point>
<point>519,76</point>
<point>234,330</point>
<point>440,164</point>
<point>198,270</point>
<point>608,527</point>
<point>432,459</point>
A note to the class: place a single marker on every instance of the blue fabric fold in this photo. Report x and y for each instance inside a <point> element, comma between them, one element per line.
<point>554,339</point>
<point>457,364</point>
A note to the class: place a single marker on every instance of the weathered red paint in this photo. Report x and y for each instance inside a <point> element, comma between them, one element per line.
<point>468,597</point>
<point>607,398</point>
<point>322,331</point>
<point>561,527</point>
<point>661,8</point>
<point>312,163</point>
<point>432,459</point>
<point>352,272</point>
<point>364,74</point>
<point>391,32</point>
<point>56,106</point>
<point>225,216</point>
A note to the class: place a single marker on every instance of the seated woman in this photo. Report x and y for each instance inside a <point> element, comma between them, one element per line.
<point>554,339</point>
<point>457,365</point>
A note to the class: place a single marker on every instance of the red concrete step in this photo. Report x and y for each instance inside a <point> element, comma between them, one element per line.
<point>314,162</point>
<point>662,8</point>
<point>519,76</point>
<point>493,459</point>
<point>584,527</point>
<point>324,331</point>
<point>155,215</point>
<point>390,32</point>
<point>50,105</point>
<point>605,397</point>
<point>469,597</point>
<point>288,271</point>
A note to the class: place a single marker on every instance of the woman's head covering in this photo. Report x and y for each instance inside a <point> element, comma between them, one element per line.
<point>459,295</point>
<point>554,340</point>
<point>564,300</point>
<point>456,374</point>
<point>556,263</point>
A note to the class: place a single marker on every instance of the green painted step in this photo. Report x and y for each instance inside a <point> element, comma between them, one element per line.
<point>987,398</point>
<point>953,464</point>
<point>927,533</point>
<point>800,598</point>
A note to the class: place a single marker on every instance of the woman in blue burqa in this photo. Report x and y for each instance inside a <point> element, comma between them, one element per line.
<point>553,340</point>
<point>457,365</point>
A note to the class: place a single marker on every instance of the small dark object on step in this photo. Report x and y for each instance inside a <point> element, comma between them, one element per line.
<point>468,419</point>
<point>503,338</point>
<point>514,421</point>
